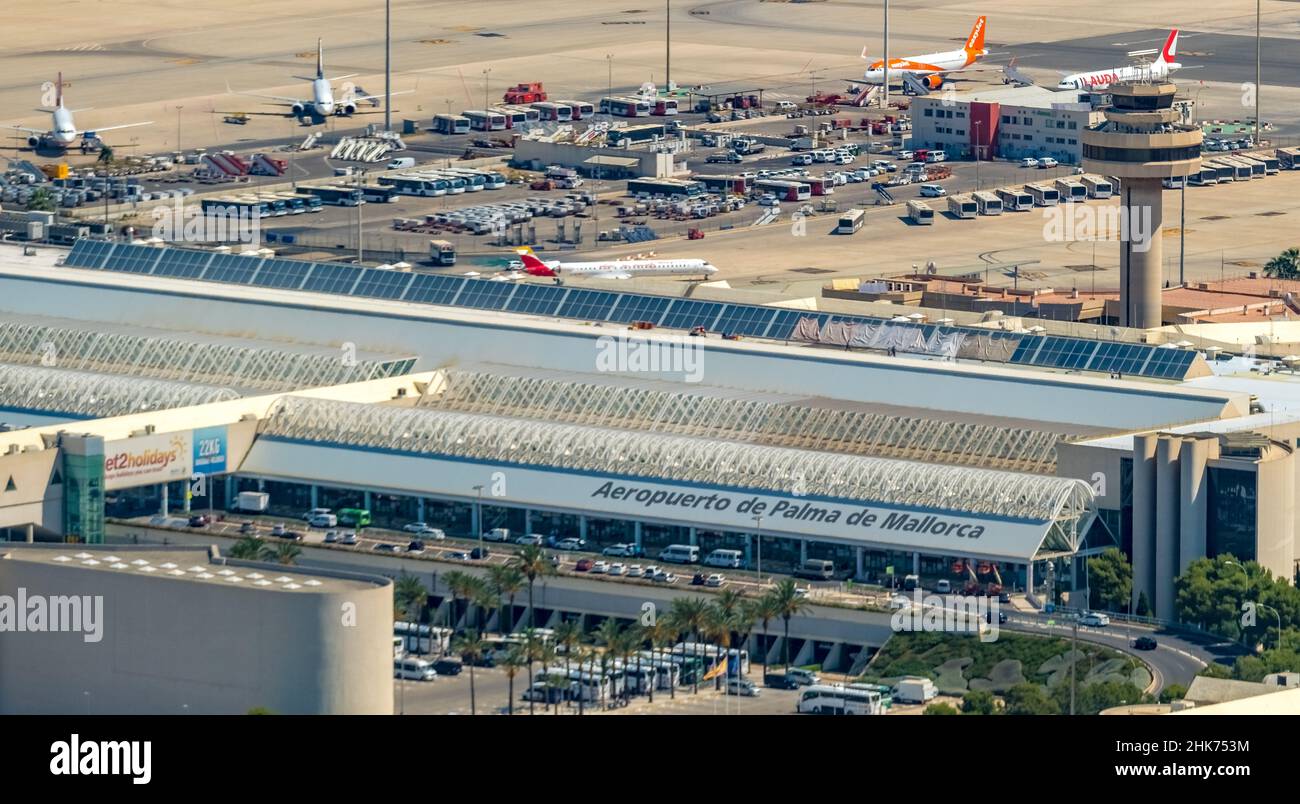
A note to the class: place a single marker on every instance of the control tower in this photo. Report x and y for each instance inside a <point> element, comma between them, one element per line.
<point>1141,143</point>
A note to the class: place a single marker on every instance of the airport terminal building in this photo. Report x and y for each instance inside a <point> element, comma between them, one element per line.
<point>468,404</point>
<point>1007,122</point>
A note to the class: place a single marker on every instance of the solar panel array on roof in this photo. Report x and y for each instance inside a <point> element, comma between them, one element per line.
<point>751,320</point>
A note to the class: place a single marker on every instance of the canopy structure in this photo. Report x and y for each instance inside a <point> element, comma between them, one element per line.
<point>776,420</point>
<point>1051,503</point>
<point>88,395</point>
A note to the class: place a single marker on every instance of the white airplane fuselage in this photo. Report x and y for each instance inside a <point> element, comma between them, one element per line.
<point>629,268</point>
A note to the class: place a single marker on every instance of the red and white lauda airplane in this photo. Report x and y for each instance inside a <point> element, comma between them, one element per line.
<point>1163,65</point>
<point>932,67</point>
<point>613,269</point>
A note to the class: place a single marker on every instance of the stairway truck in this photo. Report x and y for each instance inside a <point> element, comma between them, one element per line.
<point>254,502</point>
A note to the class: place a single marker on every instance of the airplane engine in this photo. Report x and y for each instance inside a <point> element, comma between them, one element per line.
<point>299,110</point>
<point>33,141</point>
<point>934,81</point>
<point>347,109</point>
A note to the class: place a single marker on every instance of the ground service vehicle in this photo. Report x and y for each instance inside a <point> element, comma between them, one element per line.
<point>835,699</point>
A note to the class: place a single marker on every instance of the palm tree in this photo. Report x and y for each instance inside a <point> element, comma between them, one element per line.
<point>569,637</point>
<point>657,635</point>
<point>461,586</point>
<point>787,603</point>
<point>248,548</point>
<point>533,563</point>
<point>409,597</point>
<point>484,600</point>
<point>582,657</point>
<point>284,553</point>
<point>506,580</point>
<point>533,651</point>
<point>765,611</point>
<point>608,634</point>
<point>717,629</point>
<point>668,630</point>
<point>1285,265</point>
<point>515,659</point>
<point>690,614</point>
<point>471,648</point>
<point>747,615</point>
<point>546,656</point>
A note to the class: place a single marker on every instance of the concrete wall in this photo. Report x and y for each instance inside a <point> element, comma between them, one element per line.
<point>29,503</point>
<point>177,646</point>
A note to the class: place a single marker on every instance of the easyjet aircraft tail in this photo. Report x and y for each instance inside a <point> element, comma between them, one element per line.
<point>975,43</point>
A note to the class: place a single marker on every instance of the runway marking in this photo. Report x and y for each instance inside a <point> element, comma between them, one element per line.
<point>83,48</point>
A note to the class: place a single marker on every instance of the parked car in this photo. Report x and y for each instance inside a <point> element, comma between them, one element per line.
<point>1094,619</point>
<point>331,536</point>
<point>1004,597</point>
<point>617,569</point>
<point>618,550</point>
<point>599,568</point>
<point>420,529</point>
<point>635,571</point>
<point>531,538</point>
<point>199,521</point>
<point>1047,162</point>
<point>497,535</point>
<point>448,667</point>
<point>479,553</point>
<point>570,543</point>
<point>715,580</point>
<point>385,547</point>
<point>1002,617</point>
<point>348,537</point>
<point>247,527</point>
<point>943,587</point>
<point>415,546</point>
<point>583,565</point>
<point>729,157</point>
<point>1145,643</point>
<point>698,579</point>
<point>780,681</point>
<point>742,686</point>
<point>661,576</point>
<point>1029,162</point>
<point>804,678</point>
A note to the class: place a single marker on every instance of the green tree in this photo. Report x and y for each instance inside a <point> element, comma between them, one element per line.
<point>1173,692</point>
<point>248,548</point>
<point>534,564</point>
<point>978,702</point>
<point>506,581</point>
<point>461,586</point>
<point>409,598</point>
<point>608,634</point>
<point>1111,579</point>
<point>1089,699</point>
<point>787,603</point>
<point>690,614</point>
<point>515,660</point>
<point>471,647</point>
<point>1285,265</point>
<point>41,201</point>
<point>1216,670</point>
<point>283,553</point>
<point>765,611</point>
<point>568,636</point>
<point>940,709</point>
<point>1144,605</point>
<point>485,600</point>
<point>1030,699</point>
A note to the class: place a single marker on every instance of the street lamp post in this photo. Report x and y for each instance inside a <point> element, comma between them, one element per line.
<point>478,517</point>
<point>486,74</point>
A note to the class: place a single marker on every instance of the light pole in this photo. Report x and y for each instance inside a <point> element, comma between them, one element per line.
<point>978,145</point>
<point>668,46</point>
<point>758,539</point>
<point>388,65</point>
<point>609,107</point>
<point>884,84</point>
<point>178,127</point>
<point>1257,75</point>
<point>486,74</point>
<point>478,517</point>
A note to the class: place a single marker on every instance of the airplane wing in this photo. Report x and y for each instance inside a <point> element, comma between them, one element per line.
<point>379,96</point>
<point>28,130</point>
<point>114,128</point>
<point>280,98</point>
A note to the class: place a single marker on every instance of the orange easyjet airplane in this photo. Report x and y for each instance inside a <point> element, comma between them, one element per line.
<point>931,67</point>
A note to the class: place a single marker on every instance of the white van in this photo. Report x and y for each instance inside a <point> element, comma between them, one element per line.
<point>401,162</point>
<point>932,191</point>
<point>786,106</point>
<point>323,521</point>
<point>730,559</point>
<point>497,535</point>
<point>414,669</point>
<point>680,554</point>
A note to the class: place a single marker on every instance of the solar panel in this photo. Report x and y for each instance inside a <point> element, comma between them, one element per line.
<point>183,263</point>
<point>286,274</point>
<point>133,259</point>
<point>434,289</point>
<point>591,304</point>
<point>485,294</point>
<point>232,268</point>
<point>637,307</point>
<point>327,277</point>
<point>381,284</point>
<point>537,299</point>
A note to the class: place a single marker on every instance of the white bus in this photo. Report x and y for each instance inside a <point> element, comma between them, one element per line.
<point>837,699</point>
<point>1043,195</point>
<point>988,203</point>
<point>418,184</point>
<point>553,112</point>
<point>727,559</point>
<point>1071,190</point>
<point>480,120</point>
<point>680,554</point>
<point>1015,200</point>
<point>851,222</point>
<point>962,206</point>
<point>451,124</point>
<point>919,212</point>
<point>1097,186</point>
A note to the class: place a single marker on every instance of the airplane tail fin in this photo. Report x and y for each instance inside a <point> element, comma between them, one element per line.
<point>1170,51</point>
<point>533,265</point>
<point>320,59</point>
<point>975,44</point>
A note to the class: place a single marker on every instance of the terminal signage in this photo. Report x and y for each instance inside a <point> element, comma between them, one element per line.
<point>146,460</point>
<point>210,450</point>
